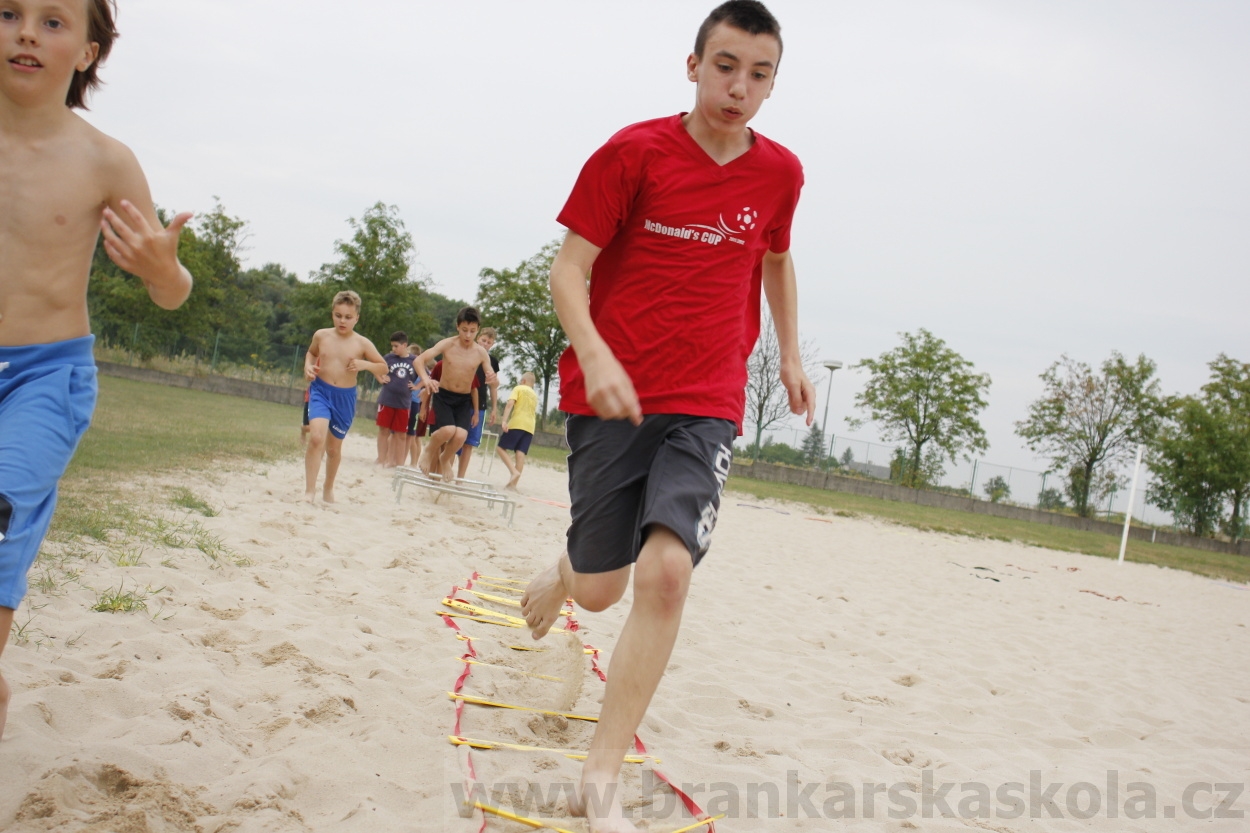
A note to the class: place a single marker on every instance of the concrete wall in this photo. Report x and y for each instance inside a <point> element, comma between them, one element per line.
<point>889,491</point>
<point>549,439</point>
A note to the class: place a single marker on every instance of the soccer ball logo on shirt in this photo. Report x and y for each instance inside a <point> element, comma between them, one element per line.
<point>746,221</point>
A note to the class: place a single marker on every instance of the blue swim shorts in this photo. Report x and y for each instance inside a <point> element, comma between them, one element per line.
<point>475,432</point>
<point>325,401</point>
<point>47,395</point>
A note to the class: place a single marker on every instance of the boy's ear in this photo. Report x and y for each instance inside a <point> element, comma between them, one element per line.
<point>89,54</point>
<point>692,63</point>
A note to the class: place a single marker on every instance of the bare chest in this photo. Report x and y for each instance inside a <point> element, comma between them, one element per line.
<point>50,206</point>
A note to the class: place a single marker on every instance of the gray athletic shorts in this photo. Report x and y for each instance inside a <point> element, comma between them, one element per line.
<point>623,479</point>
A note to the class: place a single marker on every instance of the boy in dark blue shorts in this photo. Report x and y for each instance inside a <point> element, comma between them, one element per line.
<point>684,220</point>
<point>65,185</point>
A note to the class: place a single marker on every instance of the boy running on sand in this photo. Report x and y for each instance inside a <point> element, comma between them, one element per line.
<point>451,399</point>
<point>488,396</point>
<point>518,428</point>
<point>694,209</point>
<point>334,358</point>
<point>395,403</point>
<point>62,184</point>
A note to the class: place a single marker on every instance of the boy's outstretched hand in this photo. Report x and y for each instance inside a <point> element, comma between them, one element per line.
<point>151,253</point>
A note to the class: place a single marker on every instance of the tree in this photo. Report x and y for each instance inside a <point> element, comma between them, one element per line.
<point>926,395</point>
<point>848,457</point>
<point>766,399</point>
<point>779,453</point>
<point>905,471</point>
<point>1229,392</point>
<point>813,447</point>
<point>377,264</point>
<point>1188,463</point>
<point>996,488</point>
<point>1050,500</point>
<point>517,302</point>
<point>220,302</point>
<point>1201,457</point>
<point>1089,423</point>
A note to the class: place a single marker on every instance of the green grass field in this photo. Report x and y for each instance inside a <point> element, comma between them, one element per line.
<point>140,428</point>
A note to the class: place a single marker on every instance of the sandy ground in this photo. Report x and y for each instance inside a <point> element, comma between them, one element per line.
<point>833,673</point>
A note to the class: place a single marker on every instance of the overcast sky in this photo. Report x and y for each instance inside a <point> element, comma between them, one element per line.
<point>1023,179</point>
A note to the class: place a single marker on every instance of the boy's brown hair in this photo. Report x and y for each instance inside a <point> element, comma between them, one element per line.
<point>488,331</point>
<point>751,16</point>
<point>347,297</point>
<point>102,32</point>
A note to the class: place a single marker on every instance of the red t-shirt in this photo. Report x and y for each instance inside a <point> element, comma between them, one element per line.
<point>676,290</point>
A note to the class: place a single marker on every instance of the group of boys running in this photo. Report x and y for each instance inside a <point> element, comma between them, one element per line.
<point>412,402</point>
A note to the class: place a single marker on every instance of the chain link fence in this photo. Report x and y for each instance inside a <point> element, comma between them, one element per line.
<point>979,478</point>
<point>276,363</point>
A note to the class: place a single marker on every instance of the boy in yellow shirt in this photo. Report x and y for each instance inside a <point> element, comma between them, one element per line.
<point>518,428</point>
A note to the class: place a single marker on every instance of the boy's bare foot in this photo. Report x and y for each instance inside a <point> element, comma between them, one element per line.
<point>597,802</point>
<point>542,600</point>
<point>310,497</point>
<point>512,481</point>
<point>328,496</point>
<point>4,700</point>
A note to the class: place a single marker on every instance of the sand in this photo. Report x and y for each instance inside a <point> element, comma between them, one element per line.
<point>833,673</point>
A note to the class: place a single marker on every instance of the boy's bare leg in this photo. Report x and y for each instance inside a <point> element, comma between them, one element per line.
<point>513,473</point>
<point>384,446</point>
<point>6,624</point>
<point>399,449</point>
<point>462,467</point>
<point>449,451</point>
<point>334,455</point>
<point>516,470</point>
<point>430,457</point>
<point>319,429</point>
<point>661,581</point>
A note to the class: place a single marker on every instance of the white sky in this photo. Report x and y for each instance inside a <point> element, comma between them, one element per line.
<point>1023,179</point>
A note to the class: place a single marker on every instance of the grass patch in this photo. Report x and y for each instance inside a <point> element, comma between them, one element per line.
<point>187,499</point>
<point>953,522</point>
<point>930,518</point>
<point>141,428</point>
<point>117,600</point>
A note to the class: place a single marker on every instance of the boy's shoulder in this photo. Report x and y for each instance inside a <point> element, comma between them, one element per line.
<point>102,148</point>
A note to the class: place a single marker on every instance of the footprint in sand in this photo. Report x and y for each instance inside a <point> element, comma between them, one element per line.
<point>758,712</point>
<point>113,799</point>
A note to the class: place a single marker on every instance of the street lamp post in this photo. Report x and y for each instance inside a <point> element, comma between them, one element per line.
<point>832,364</point>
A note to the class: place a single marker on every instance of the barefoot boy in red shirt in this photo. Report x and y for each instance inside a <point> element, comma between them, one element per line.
<point>683,219</point>
<point>62,184</point>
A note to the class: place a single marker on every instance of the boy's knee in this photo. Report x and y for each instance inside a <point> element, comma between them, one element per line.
<point>598,592</point>
<point>664,568</point>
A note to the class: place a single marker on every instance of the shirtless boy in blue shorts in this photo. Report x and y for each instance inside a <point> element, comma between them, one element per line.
<point>62,184</point>
<point>334,358</point>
